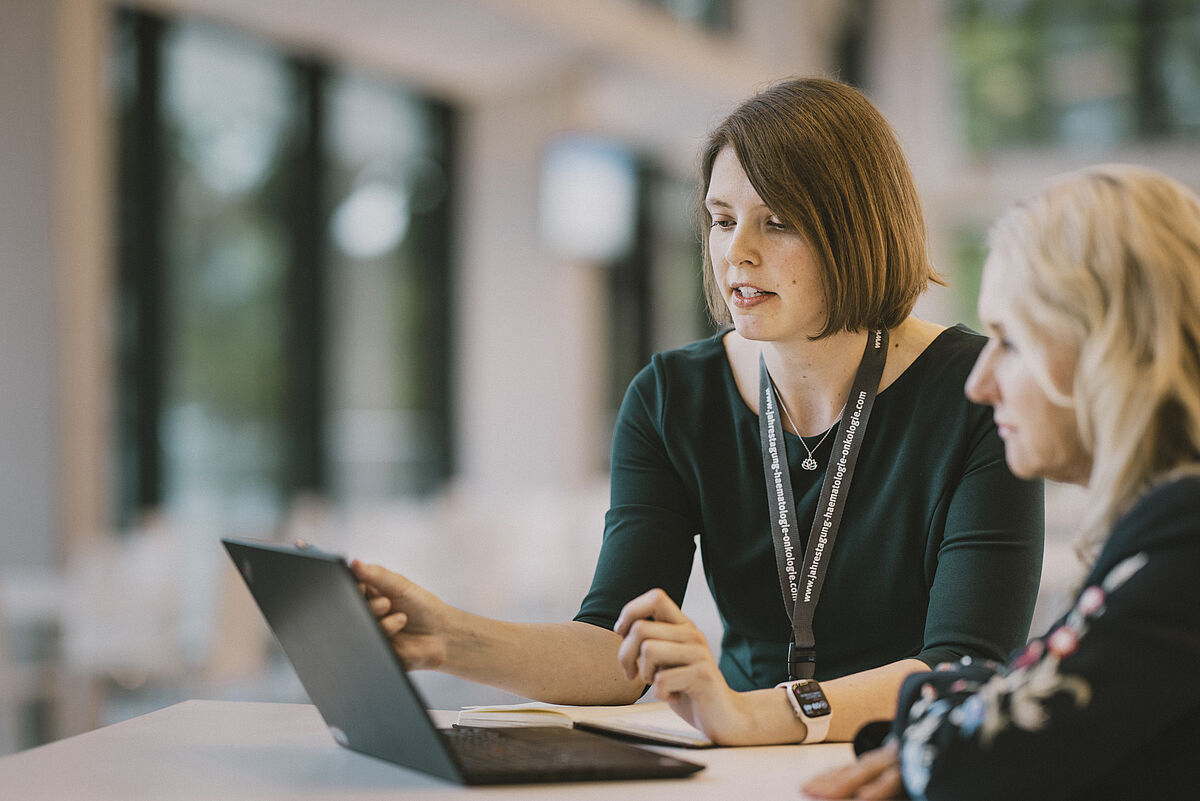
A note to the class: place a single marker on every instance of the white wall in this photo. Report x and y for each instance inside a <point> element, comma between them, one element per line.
<point>529,326</point>
<point>28,388</point>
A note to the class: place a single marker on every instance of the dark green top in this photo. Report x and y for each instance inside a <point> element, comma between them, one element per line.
<point>939,552</point>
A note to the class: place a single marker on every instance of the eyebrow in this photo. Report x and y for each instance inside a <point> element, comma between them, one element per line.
<point>715,203</point>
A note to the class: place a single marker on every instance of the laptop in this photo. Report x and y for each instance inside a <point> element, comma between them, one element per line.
<point>313,605</point>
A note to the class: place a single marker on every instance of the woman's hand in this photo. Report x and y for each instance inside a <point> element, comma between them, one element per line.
<point>663,648</point>
<point>876,774</point>
<point>414,619</point>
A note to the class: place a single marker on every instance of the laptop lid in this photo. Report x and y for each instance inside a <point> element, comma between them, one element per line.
<point>311,602</point>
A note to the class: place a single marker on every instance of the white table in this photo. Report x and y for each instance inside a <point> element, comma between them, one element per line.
<point>260,751</point>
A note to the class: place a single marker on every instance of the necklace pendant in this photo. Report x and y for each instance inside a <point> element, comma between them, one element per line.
<point>809,464</point>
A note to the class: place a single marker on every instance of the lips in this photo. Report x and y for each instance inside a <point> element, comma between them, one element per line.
<point>745,296</point>
<point>748,291</point>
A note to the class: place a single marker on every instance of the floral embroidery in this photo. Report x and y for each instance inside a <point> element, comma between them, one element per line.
<point>1016,698</point>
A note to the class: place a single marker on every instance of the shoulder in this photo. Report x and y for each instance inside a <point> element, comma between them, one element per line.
<point>959,339</point>
<point>1163,526</point>
<point>1172,498</point>
<point>1167,514</point>
<point>930,396</point>
<point>957,346</point>
<point>702,350</point>
<point>944,362</point>
<point>696,361</point>
<point>1147,571</point>
<point>679,373</point>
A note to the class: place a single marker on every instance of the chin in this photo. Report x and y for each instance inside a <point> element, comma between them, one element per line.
<point>1063,474</point>
<point>1021,468</point>
<point>747,329</point>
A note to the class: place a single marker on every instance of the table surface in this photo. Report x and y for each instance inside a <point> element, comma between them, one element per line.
<point>241,750</point>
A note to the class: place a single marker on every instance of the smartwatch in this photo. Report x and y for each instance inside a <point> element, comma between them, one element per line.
<point>811,706</point>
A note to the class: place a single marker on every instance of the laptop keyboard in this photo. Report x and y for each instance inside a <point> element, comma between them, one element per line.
<point>548,754</point>
<point>503,749</point>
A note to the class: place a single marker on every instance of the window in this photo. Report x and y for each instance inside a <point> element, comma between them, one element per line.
<point>714,16</point>
<point>1092,73</point>
<point>388,290</point>
<point>656,290</point>
<point>279,222</point>
<point>1069,78</point>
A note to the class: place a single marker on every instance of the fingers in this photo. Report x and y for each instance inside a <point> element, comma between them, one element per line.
<point>413,619</point>
<point>380,586</point>
<point>379,605</point>
<point>886,785</point>
<point>687,673</point>
<point>380,579</point>
<point>656,635</point>
<point>393,624</point>
<point>376,581</point>
<point>875,775</point>
<point>645,658</point>
<point>655,604</point>
<point>696,690</point>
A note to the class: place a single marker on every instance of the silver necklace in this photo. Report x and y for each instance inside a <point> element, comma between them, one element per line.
<point>809,463</point>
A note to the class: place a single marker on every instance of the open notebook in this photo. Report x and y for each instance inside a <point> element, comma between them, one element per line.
<point>652,720</point>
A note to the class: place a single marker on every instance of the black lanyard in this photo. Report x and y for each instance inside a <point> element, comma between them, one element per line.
<point>803,586</point>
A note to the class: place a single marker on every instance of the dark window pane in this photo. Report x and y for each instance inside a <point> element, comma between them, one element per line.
<point>284,284</point>
<point>1076,73</point>
<point>227,118</point>
<point>388,294</point>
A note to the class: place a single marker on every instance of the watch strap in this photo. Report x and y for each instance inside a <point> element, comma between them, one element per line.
<point>810,706</point>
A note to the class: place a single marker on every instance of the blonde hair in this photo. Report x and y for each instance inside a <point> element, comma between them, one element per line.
<point>1110,260</point>
<point>828,164</point>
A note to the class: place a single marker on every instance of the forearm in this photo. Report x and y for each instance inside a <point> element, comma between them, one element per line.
<point>863,697</point>
<point>562,663</point>
<point>856,699</point>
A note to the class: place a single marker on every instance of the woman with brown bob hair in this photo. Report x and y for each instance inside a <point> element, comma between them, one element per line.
<point>817,150</point>
<point>818,447</point>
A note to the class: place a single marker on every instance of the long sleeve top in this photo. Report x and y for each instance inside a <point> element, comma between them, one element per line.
<point>939,552</point>
<point>1105,706</point>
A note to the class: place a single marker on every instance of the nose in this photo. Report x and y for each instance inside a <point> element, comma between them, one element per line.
<point>981,384</point>
<point>742,247</point>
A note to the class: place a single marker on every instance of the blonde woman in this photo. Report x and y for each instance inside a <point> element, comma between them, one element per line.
<point>1091,297</point>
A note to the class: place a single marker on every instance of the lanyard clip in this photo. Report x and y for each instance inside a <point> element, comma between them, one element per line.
<point>802,662</point>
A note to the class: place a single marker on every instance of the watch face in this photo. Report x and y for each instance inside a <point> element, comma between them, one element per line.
<point>811,698</point>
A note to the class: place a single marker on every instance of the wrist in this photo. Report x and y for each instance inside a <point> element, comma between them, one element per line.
<point>461,641</point>
<point>758,717</point>
<point>810,706</point>
<point>739,718</point>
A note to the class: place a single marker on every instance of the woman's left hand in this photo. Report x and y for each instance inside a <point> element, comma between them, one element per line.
<point>663,648</point>
<point>876,774</point>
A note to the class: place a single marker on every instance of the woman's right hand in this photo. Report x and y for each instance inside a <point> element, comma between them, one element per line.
<point>414,619</point>
<point>875,774</point>
<point>662,647</point>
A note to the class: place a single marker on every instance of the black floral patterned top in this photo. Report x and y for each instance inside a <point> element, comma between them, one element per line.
<point>1106,705</point>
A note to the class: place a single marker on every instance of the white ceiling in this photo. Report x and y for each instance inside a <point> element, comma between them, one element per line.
<point>639,73</point>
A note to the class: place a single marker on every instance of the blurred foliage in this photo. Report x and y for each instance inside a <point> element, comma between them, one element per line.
<point>1076,73</point>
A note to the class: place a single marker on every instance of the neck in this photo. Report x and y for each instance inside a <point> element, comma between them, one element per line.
<point>813,379</point>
